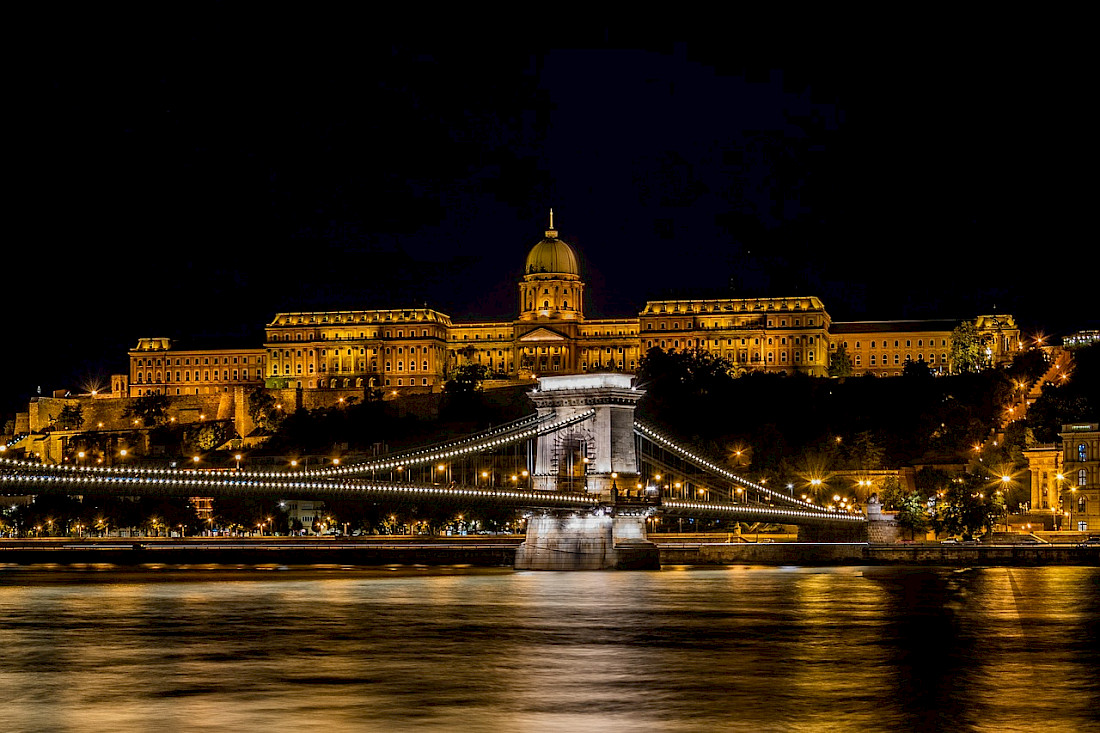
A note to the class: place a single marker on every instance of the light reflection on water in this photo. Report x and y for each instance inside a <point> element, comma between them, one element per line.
<point>768,649</point>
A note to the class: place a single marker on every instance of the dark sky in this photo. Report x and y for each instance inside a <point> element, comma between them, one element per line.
<point>190,177</point>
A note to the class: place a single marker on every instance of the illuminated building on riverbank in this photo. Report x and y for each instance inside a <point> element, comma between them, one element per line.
<point>413,349</point>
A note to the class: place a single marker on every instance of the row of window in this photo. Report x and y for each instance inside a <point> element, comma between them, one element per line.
<point>701,343</point>
<point>477,337</point>
<point>742,323</point>
<point>897,343</point>
<point>389,366</point>
<point>187,361</point>
<point>336,352</point>
<point>608,364</point>
<point>238,376</point>
<point>591,334</point>
<point>348,336</point>
<point>179,391</point>
<point>897,359</point>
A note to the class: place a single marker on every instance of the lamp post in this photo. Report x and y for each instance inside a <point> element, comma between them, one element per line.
<point>1059,511</point>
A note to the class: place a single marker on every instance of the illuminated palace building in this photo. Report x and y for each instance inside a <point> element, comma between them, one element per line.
<point>413,349</point>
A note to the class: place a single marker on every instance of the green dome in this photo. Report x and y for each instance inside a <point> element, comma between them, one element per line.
<point>552,255</point>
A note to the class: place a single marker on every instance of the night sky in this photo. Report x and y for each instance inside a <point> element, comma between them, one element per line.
<point>195,177</point>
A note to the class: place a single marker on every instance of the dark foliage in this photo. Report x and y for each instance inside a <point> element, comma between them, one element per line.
<point>1077,399</point>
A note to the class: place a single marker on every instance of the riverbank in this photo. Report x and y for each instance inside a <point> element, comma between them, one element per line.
<point>824,554</point>
<point>499,551</point>
<point>262,552</point>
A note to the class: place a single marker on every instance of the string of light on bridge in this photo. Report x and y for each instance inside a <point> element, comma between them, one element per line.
<point>450,450</point>
<point>197,484</point>
<point>32,475</point>
<point>745,509</point>
<point>468,447</point>
<point>652,434</point>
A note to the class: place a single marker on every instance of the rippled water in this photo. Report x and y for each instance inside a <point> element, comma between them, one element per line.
<point>753,649</point>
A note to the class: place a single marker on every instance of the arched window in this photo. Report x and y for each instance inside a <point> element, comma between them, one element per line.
<point>1082,477</point>
<point>1082,453</point>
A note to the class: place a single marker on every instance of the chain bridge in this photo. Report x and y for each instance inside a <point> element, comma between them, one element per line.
<point>589,474</point>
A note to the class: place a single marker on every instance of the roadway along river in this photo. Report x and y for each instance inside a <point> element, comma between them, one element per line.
<point>738,649</point>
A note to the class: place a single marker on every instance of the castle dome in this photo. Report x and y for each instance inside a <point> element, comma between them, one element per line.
<point>552,255</point>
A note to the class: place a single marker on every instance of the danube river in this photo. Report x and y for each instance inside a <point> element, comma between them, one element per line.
<point>731,649</point>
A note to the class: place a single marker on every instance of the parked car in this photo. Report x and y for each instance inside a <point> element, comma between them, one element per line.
<point>1090,541</point>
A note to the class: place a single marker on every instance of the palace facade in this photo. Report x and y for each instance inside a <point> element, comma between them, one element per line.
<point>414,349</point>
<point>1065,478</point>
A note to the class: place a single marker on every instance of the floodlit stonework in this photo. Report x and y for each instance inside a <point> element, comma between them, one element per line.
<point>1080,477</point>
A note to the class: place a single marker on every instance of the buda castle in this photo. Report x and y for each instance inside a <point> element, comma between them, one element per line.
<point>414,349</point>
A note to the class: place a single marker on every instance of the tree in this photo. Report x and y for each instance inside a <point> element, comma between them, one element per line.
<point>151,409</point>
<point>864,452</point>
<point>1075,398</point>
<point>466,379</point>
<point>262,409</point>
<point>467,353</point>
<point>1029,365</point>
<point>966,349</point>
<point>912,514</point>
<point>969,507</point>
<point>71,417</point>
<point>209,435</point>
<point>931,481</point>
<point>891,495</point>
<point>840,364</point>
<point>916,369</point>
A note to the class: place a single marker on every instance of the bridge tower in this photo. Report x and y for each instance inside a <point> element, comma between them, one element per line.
<point>594,456</point>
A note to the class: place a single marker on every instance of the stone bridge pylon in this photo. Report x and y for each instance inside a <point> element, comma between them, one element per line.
<point>595,456</point>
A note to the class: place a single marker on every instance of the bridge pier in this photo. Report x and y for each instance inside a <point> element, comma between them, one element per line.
<point>595,456</point>
<point>600,540</point>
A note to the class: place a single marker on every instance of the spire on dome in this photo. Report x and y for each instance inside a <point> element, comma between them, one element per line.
<point>552,233</point>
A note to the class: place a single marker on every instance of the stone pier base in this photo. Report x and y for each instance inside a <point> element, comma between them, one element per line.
<point>581,541</point>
